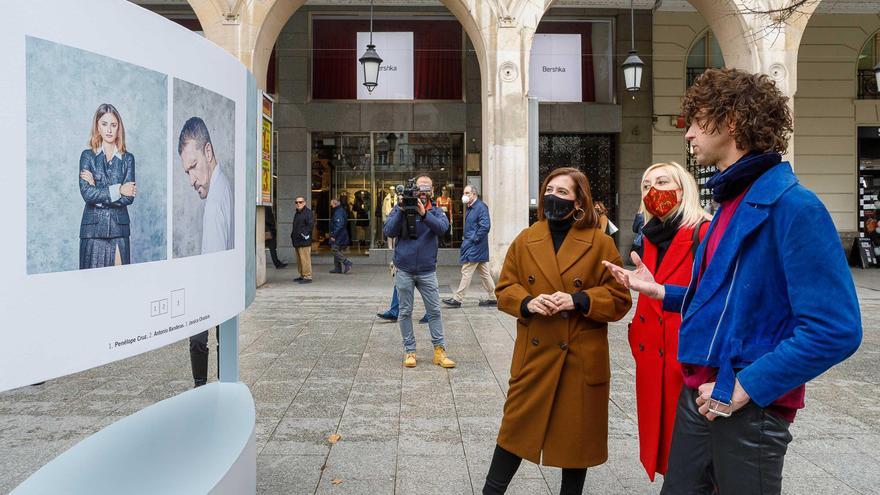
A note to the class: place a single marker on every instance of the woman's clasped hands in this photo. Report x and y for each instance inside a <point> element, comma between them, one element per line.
<point>550,304</point>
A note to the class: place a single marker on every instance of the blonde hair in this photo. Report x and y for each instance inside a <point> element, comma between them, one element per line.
<point>689,208</point>
<point>95,138</point>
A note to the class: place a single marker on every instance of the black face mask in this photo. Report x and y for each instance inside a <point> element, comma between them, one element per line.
<point>556,208</point>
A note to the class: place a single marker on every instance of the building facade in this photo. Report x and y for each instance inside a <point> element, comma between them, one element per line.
<point>472,126</point>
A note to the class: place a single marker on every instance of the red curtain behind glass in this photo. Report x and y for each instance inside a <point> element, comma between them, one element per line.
<point>588,89</point>
<point>436,62</point>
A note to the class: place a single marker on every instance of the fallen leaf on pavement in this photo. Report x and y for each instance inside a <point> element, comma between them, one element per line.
<point>337,481</point>
<point>334,438</point>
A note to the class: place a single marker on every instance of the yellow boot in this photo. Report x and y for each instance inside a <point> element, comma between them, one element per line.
<point>409,360</point>
<point>441,359</point>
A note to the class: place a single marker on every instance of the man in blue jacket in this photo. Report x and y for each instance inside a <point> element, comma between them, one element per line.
<point>416,262</point>
<point>474,249</point>
<point>339,237</point>
<point>771,303</point>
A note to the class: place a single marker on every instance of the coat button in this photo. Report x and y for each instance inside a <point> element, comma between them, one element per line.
<point>534,341</point>
<point>578,283</point>
<point>564,315</point>
<point>531,279</point>
<point>661,352</point>
<point>642,318</point>
<point>660,320</point>
<point>641,347</point>
<point>563,346</point>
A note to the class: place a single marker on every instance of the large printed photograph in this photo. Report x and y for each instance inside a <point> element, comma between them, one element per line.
<point>203,181</point>
<point>96,160</point>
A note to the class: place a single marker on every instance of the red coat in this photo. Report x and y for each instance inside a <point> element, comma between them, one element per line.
<point>653,338</point>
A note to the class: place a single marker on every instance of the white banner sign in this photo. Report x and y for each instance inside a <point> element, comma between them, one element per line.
<point>125,205</point>
<point>396,71</point>
<point>555,67</point>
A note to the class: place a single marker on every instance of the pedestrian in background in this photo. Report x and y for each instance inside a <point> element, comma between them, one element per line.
<point>638,223</point>
<point>339,237</point>
<point>272,238</point>
<point>474,252</point>
<point>301,237</point>
<point>605,224</point>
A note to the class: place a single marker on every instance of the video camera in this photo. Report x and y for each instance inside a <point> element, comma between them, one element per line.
<point>409,203</point>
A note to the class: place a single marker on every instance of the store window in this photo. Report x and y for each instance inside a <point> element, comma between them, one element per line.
<point>364,170</point>
<point>868,59</point>
<point>869,184</point>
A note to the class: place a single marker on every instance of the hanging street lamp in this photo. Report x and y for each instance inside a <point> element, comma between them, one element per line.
<point>633,65</point>
<point>371,60</point>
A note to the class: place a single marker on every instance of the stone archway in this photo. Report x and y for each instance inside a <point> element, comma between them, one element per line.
<point>501,35</point>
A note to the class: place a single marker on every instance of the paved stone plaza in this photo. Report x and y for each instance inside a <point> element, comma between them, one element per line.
<point>319,363</point>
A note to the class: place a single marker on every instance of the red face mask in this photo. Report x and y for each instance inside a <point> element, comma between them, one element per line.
<point>660,203</point>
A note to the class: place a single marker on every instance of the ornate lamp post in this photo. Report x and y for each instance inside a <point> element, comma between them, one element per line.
<point>371,60</point>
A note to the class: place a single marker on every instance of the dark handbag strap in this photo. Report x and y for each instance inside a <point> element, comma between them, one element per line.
<point>695,242</point>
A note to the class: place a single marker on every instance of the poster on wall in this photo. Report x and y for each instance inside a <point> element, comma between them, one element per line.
<point>555,68</point>
<point>396,80</point>
<point>266,156</point>
<point>125,224</point>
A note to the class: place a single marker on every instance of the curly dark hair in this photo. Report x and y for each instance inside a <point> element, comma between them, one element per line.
<point>751,103</point>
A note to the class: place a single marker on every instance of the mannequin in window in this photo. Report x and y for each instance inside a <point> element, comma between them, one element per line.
<point>361,209</point>
<point>389,202</point>
<point>445,203</point>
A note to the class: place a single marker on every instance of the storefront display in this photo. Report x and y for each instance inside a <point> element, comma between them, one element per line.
<point>363,171</point>
<point>869,184</point>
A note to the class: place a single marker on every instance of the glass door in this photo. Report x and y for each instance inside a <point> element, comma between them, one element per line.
<point>341,169</point>
<point>405,155</point>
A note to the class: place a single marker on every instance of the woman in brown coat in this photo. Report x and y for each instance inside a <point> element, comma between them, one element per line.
<point>554,283</point>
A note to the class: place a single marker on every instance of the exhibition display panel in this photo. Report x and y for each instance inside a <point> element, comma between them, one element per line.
<point>132,152</point>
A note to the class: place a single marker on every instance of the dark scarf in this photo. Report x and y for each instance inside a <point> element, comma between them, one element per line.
<point>739,176</point>
<point>660,234</point>
<point>558,230</point>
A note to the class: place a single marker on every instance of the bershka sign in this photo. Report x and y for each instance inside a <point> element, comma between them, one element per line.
<point>396,72</point>
<point>555,67</point>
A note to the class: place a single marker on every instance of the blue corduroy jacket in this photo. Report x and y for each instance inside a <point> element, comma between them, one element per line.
<point>419,255</point>
<point>776,307</point>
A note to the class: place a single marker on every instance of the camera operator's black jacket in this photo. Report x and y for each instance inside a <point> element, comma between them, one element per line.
<point>419,255</point>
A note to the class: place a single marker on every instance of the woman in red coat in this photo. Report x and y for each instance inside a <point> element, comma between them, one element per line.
<point>674,224</point>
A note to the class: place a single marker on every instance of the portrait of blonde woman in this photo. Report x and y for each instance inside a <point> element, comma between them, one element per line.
<point>107,185</point>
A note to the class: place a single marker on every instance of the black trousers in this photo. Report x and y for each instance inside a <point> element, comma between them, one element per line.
<point>505,464</point>
<point>198,356</point>
<point>728,456</point>
<point>272,244</point>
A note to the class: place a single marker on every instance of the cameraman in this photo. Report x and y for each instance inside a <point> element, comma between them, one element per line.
<point>415,256</point>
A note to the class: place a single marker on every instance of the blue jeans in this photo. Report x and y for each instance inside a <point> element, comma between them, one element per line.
<point>395,306</point>
<point>394,309</point>
<point>406,283</point>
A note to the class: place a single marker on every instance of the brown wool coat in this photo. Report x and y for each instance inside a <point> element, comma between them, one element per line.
<point>557,404</point>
